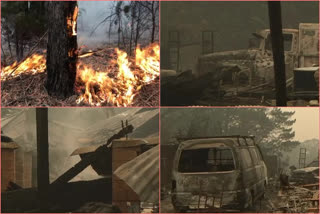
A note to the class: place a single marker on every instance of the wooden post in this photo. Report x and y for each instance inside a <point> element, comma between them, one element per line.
<point>42,152</point>
<point>278,52</point>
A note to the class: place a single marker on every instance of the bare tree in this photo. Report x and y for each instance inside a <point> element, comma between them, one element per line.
<point>153,9</point>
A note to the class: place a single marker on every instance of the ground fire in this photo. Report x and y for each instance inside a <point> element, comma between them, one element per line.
<point>118,85</point>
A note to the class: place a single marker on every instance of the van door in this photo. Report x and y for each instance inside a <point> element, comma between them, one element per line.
<point>259,170</point>
<point>249,175</point>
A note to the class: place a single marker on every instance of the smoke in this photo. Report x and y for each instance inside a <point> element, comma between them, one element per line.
<point>90,15</point>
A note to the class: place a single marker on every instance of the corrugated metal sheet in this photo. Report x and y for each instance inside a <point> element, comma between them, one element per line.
<point>142,175</point>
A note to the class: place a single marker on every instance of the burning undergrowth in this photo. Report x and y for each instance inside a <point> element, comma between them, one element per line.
<point>105,76</point>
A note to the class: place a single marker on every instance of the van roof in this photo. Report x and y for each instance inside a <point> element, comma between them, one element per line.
<point>230,141</point>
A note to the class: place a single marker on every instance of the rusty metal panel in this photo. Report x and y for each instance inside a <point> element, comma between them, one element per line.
<point>142,175</point>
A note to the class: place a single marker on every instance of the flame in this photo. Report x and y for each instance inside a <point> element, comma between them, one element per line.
<point>103,87</point>
<point>120,91</point>
<point>36,63</point>
<point>74,21</point>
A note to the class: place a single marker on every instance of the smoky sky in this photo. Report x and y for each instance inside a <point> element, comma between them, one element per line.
<point>91,14</point>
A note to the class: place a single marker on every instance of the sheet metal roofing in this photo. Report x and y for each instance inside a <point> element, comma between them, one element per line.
<point>142,175</point>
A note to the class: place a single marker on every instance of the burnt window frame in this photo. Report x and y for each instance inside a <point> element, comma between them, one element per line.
<point>284,33</point>
<point>235,166</point>
<point>241,158</point>
<point>252,150</point>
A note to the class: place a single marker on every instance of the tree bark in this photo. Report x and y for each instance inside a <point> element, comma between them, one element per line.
<point>42,153</point>
<point>137,28</point>
<point>62,47</point>
<point>153,21</point>
<point>278,52</point>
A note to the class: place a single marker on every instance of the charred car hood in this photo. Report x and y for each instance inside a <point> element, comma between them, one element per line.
<point>231,55</point>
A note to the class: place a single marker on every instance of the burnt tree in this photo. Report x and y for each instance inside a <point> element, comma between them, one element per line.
<point>62,48</point>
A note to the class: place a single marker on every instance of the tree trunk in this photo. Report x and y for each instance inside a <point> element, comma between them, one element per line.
<point>42,153</point>
<point>278,52</point>
<point>137,28</point>
<point>4,56</point>
<point>17,46</point>
<point>62,47</point>
<point>9,41</point>
<point>153,22</point>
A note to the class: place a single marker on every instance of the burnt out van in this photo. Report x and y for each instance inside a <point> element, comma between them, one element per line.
<point>217,173</point>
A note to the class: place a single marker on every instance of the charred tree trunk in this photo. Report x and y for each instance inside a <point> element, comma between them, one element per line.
<point>42,153</point>
<point>4,56</point>
<point>17,43</point>
<point>278,52</point>
<point>137,28</point>
<point>153,22</point>
<point>9,41</point>
<point>62,47</point>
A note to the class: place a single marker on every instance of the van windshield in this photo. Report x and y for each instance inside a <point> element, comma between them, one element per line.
<point>287,42</point>
<point>206,160</point>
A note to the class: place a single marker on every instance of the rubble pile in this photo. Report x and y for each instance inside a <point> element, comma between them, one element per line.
<point>297,199</point>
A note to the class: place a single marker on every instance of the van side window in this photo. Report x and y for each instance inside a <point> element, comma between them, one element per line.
<point>287,42</point>
<point>254,155</point>
<point>245,158</point>
<point>250,141</point>
<point>242,142</point>
<point>258,153</point>
<point>206,160</point>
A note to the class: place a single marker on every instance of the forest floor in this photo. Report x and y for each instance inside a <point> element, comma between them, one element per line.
<point>30,89</point>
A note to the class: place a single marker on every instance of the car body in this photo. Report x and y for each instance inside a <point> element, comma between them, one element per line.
<point>217,173</point>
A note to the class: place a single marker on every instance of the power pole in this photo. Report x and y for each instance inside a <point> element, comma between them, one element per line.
<point>278,52</point>
<point>42,153</point>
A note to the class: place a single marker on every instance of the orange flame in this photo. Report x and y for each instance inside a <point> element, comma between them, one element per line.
<point>98,88</point>
<point>121,90</point>
<point>36,63</point>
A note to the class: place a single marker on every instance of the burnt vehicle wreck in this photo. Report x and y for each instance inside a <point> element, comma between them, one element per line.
<point>242,77</point>
<point>218,174</point>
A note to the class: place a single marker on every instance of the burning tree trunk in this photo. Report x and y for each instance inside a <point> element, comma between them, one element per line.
<point>62,48</point>
<point>278,52</point>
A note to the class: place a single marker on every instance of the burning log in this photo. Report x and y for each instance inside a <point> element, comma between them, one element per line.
<point>87,160</point>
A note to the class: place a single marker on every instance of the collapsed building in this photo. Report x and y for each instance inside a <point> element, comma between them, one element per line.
<point>101,187</point>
